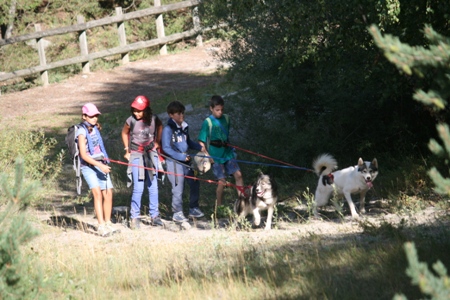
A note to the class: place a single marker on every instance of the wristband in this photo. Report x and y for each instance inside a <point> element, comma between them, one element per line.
<point>126,148</point>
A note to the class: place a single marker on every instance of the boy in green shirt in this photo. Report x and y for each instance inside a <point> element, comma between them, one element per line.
<point>214,137</point>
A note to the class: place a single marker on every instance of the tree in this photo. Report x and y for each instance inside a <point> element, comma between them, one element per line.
<point>11,16</point>
<point>312,68</point>
<point>438,287</point>
<point>15,230</point>
<point>432,61</point>
<point>11,10</point>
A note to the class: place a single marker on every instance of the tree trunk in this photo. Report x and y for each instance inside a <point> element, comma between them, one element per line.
<point>11,18</point>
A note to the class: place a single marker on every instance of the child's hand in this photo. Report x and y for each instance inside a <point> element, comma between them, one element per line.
<point>188,158</point>
<point>127,156</point>
<point>105,168</point>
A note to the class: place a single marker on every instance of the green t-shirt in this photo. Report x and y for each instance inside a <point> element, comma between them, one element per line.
<point>217,133</point>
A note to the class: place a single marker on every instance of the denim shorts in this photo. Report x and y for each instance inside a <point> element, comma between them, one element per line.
<point>96,178</point>
<point>221,171</point>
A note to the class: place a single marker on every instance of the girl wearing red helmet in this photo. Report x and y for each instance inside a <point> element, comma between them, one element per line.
<point>141,136</point>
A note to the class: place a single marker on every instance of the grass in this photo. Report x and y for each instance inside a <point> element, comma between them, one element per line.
<point>223,264</point>
<point>227,265</point>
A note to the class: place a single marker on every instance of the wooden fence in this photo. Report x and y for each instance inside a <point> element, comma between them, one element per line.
<point>124,49</point>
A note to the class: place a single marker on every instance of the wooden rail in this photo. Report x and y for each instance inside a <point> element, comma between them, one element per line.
<point>124,49</point>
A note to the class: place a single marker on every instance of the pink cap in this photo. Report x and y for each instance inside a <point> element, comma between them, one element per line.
<point>90,110</point>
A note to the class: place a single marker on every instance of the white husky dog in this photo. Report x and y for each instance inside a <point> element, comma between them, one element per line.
<point>351,180</point>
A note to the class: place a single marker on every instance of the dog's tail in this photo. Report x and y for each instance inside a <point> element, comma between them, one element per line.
<point>324,164</point>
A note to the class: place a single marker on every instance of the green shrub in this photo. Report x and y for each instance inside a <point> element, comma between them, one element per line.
<point>35,149</point>
<point>15,279</point>
<point>436,285</point>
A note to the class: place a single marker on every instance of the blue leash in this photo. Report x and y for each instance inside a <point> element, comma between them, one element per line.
<point>259,163</point>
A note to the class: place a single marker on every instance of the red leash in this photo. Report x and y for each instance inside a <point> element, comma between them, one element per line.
<point>238,187</point>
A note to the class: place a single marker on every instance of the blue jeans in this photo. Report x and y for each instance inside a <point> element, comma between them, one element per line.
<point>177,182</point>
<point>96,178</point>
<point>138,189</point>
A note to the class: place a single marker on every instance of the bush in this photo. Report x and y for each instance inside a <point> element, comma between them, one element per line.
<point>15,280</point>
<point>40,164</point>
<point>438,287</point>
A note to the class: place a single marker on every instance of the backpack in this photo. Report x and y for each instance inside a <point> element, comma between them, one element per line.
<point>74,153</point>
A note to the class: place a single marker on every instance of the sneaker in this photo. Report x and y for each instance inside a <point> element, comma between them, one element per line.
<point>112,228</point>
<point>135,223</point>
<point>103,230</point>
<point>195,213</point>
<point>156,221</point>
<point>179,217</point>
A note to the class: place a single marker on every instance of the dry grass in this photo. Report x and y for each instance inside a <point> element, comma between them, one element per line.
<point>225,264</point>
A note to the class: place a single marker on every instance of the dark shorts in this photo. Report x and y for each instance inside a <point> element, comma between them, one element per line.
<point>221,171</point>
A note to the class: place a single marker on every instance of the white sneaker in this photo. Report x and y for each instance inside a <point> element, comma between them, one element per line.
<point>111,228</point>
<point>103,230</point>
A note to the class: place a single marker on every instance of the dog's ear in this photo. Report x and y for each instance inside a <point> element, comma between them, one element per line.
<point>360,162</point>
<point>374,164</point>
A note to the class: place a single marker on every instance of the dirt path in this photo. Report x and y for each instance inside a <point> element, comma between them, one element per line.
<point>56,106</point>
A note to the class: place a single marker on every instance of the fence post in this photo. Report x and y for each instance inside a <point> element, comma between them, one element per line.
<point>122,36</point>
<point>196,21</point>
<point>83,46</point>
<point>160,29</point>
<point>41,52</point>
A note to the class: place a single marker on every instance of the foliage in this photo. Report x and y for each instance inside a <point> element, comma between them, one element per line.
<point>436,285</point>
<point>434,61</point>
<point>6,14</point>
<point>15,230</point>
<point>40,163</point>
<point>311,68</point>
<point>442,183</point>
<point>59,13</point>
<point>51,13</point>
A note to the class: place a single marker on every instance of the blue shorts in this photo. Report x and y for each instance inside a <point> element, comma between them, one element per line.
<point>223,170</point>
<point>96,178</point>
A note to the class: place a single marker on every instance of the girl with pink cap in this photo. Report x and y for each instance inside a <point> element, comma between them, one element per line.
<point>95,169</point>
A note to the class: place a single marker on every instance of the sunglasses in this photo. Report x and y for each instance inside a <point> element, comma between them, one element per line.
<point>91,117</point>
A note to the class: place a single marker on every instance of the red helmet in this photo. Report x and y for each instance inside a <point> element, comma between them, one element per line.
<point>140,102</point>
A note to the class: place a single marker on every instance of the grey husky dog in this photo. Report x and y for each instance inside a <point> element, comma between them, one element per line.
<point>263,195</point>
<point>358,179</point>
